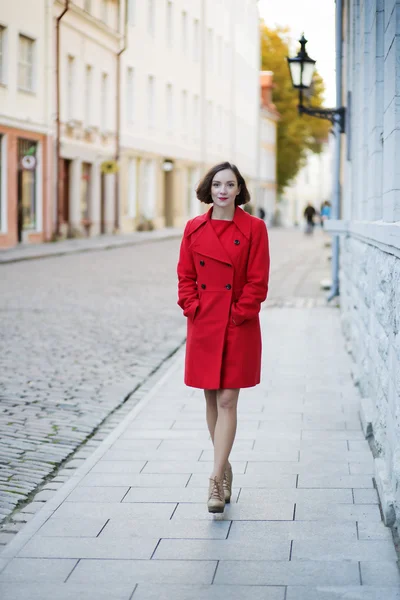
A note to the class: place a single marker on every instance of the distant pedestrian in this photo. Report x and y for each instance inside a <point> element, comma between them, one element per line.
<point>223,272</point>
<point>261,213</point>
<point>325,212</point>
<point>309,214</point>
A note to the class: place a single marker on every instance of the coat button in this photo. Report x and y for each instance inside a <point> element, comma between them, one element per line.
<point>203,286</point>
<point>236,242</point>
<point>228,286</point>
<point>202,263</point>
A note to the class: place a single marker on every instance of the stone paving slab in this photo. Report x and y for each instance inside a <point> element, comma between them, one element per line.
<point>294,527</point>
<point>55,591</point>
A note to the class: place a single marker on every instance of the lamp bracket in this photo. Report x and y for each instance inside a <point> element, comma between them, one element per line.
<point>334,115</point>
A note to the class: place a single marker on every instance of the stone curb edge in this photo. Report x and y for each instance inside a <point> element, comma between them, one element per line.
<point>27,532</point>
<point>107,246</point>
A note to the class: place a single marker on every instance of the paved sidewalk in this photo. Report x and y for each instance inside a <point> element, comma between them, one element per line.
<point>304,523</point>
<point>90,244</point>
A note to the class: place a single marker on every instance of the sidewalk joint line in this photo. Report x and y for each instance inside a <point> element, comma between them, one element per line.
<point>294,512</point>
<point>134,590</point>
<point>237,499</point>
<point>141,470</point>
<point>215,572</point>
<point>124,496</point>
<point>108,520</point>
<point>229,530</point>
<point>290,551</point>
<point>297,481</point>
<point>359,571</point>
<point>173,512</point>
<point>72,570</point>
<point>358,532</point>
<point>190,477</point>
<point>154,551</point>
<point>352,493</point>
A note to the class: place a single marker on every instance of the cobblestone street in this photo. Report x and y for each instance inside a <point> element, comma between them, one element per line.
<point>81,332</point>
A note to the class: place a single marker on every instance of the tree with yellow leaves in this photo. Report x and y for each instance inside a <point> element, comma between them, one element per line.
<point>296,134</point>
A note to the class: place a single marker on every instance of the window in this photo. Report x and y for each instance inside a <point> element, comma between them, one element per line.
<point>184,113</point>
<point>132,187</point>
<point>131,12</point>
<point>150,17</point>
<point>2,54</point>
<point>150,103</point>
<point>88,96</point>
<point>169,24</point>
<point>130,92</point>
<point>104,102</point>
<point>196,117</point>
<point>70,87</point>
<point>27,186</point>
<point>184,31</point>
<point>25,63</point>
<point>210,48</point>
<point>170,108</point>
<point>196,40</point>
<point>104,10</point>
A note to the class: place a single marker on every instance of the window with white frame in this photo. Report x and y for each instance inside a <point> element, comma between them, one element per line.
<point>184,113</point>
<point>169,22</point>
<point>210,49</point>
<point>130,94</point>
<point>104,103</point>
<point>169,107</point>
<point>26,63</point>
<point>196,116</point>
<point>150,101</point>
<point>184,31</point>
<point>150,16</point>
<point>196,40</point>
<point>131,12</point>
<point>88,96</point>
<point>132,187</point>
<point>3,34</point>
<point>70,87</point>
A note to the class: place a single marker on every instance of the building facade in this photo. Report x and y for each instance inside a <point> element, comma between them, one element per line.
<point>190,100</point>
<point>370,228</point>
<point>111,111</point>
<point>269,116</point>
<point>25,126</point>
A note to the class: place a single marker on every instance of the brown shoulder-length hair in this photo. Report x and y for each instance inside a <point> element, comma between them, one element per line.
<point>203,190</point>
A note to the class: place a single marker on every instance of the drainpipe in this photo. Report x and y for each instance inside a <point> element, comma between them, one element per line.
<point>118,115</point>
<point>58,102</point>
<point>337,156</point>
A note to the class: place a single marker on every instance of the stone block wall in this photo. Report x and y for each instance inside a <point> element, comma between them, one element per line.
<point>370,301</point>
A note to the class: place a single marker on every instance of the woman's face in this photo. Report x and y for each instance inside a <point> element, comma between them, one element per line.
<point>224,188</point>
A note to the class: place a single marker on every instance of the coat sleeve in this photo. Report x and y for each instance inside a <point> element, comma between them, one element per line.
<point>188,297</point>
<point>256,288</point>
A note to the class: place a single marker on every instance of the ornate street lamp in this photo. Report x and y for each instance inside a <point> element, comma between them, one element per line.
<point>301,69</point>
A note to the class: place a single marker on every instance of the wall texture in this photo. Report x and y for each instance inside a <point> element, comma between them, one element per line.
<point>370,246</point>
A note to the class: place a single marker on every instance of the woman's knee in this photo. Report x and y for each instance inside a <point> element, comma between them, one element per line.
<point>227,399</point>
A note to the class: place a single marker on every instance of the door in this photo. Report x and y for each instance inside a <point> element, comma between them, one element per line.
<point>26,187</point>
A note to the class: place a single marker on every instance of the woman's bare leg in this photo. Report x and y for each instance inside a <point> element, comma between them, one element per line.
<point>225,429</point>
<point>211,410</point>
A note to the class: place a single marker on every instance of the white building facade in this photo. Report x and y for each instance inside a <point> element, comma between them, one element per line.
<point>190,100</point>
<point>370,227</point>
<point>269,117</point>
<point>25,122</point>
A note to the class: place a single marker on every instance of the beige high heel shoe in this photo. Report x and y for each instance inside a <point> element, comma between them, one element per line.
<point>216,496</point>
<point>227,483</point>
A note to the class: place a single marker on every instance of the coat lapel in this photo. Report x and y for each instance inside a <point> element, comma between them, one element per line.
<point>206,242</point>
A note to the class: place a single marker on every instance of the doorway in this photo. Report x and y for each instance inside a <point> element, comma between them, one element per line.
<point>65,169</point>
<point>169,198</point>
<point>26,187</point>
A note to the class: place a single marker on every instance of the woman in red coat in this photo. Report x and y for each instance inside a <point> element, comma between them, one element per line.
<point>223,272</point>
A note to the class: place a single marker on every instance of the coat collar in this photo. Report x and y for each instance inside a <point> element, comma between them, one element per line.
<point>241,219</point>
<point>207,241</point>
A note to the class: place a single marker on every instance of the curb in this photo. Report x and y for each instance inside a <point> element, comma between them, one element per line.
<point>22,537</point>
<point>111,245</point>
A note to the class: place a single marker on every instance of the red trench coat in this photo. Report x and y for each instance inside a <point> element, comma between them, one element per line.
<point>221,287</point>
